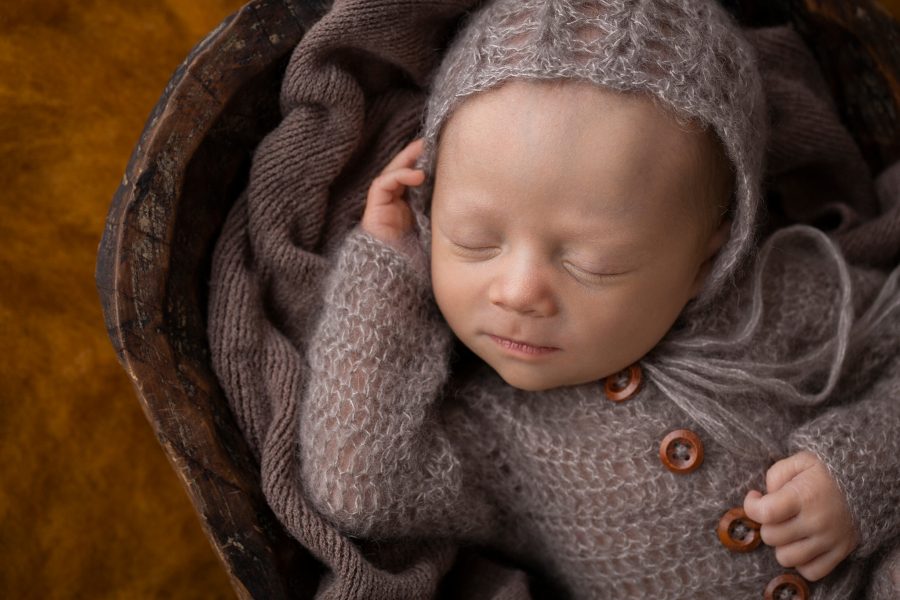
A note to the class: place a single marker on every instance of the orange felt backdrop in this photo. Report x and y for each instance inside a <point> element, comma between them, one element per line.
<point>89,506</point>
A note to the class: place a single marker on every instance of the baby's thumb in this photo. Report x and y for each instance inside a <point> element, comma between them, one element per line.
<point>752,504</point>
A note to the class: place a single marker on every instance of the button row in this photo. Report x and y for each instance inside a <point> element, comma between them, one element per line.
<point>681,451</point>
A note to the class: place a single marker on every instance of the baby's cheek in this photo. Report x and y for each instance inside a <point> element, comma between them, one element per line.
<point>628,324</point>
<point>452,290</point>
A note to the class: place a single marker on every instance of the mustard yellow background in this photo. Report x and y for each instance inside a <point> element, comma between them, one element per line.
<point>89,507</point>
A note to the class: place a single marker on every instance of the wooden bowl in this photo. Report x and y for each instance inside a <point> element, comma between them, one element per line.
<point>192,162</point>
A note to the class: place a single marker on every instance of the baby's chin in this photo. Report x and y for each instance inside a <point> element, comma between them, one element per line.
<point>529,386</point>
<point>531,378</point>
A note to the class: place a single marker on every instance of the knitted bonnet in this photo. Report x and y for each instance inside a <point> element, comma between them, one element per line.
<point>688,54</point>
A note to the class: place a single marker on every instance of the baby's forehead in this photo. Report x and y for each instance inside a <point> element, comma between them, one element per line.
<point>574,108</point>
<point>572,142</point>
<point>577,130</point>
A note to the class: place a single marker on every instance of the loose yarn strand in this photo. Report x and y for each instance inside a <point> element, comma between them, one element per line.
<point>887,301</point>
<point>723,424</point>
<point>692,373</point>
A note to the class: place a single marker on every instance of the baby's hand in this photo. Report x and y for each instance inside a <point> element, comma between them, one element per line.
<point>387,216</point>
<point>804,516</point>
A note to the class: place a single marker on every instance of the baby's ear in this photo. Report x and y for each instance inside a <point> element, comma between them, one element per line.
<point>713,245</point>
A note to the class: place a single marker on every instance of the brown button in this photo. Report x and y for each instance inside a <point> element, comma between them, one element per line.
<point>787,587</point>
<point>737,532</point>
<point>624,384</point>
<point>681,451</point>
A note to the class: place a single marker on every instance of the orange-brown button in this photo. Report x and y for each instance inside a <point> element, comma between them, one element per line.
<point>737,532</point>
<point>681,451</point>
<point>787,587</point>
<point>624,384</point>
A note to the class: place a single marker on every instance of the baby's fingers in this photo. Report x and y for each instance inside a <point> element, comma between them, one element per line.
<point>813,557</point>
<point>387,215</point>
<point>823,564</point>
<point>799,552</point>
<point>786,532</point>
<point>406,157</point>
<point>389,185</point>
<point>773,508</point>
<point>787,469</point>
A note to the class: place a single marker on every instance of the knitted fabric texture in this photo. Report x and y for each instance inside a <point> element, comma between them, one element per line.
<point>564,480</point>
<point>284,255</point>
<point>688,55</point>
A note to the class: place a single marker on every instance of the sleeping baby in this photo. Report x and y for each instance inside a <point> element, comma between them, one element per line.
<point>554,334</point>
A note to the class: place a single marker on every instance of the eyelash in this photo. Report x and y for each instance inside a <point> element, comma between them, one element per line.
<point>471,250</point>
<point>579,273</point>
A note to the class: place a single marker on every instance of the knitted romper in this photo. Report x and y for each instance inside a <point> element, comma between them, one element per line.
<point>566,481</point>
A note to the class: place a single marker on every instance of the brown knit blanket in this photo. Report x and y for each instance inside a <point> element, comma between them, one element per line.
<point>351,98</point>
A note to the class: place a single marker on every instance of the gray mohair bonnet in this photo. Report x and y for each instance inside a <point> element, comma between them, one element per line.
<point>688,54</point>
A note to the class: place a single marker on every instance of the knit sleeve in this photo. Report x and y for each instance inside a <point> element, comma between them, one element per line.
<point>858,436</point>
<point>376,459</point>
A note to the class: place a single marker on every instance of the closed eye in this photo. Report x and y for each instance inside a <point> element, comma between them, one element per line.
<point>478,251</point>
<point>590,276</point>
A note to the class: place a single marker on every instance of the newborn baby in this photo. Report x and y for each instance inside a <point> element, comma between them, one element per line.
<point>570,226</point>
<point>590,246</point>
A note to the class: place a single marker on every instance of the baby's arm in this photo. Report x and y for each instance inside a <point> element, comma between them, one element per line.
<point>375,456</point>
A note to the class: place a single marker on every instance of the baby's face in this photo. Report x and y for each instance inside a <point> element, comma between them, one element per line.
<point>566,217</point>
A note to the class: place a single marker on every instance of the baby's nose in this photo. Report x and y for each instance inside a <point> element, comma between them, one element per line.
<point>526,290</point>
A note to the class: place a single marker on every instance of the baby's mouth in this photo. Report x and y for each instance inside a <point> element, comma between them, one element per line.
<point>521,347</point>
